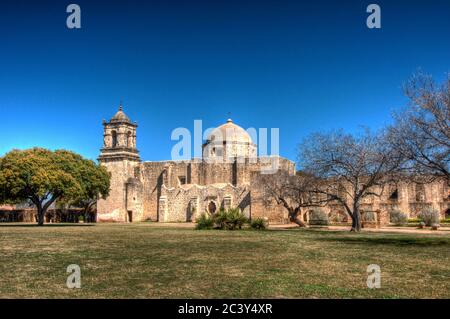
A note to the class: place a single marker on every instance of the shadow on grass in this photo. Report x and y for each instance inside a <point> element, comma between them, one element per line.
<point>389,240</point>
<point>6,225</point>
<point>367,238</point>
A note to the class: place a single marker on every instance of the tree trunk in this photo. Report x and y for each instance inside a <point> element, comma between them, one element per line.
<point>42,209</point>
<point>40,216</point>
<point>356,220</point>
<point>87,212</point>
<point>293,218</point>
<point>297,221</point>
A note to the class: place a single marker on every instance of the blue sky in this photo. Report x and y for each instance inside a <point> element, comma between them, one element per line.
<point>298,66</point>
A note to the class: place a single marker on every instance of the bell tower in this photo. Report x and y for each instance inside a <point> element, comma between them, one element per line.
<point>119,139</point>
<point>121,158</point>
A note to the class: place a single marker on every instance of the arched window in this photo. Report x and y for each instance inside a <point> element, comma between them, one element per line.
<point>129,140</point>
<point>394,195</point>
<point>114,138</point>
<point>420,193</point>
<point>212,207</point>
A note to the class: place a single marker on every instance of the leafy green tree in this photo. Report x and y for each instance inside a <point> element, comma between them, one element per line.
<point>95,185</point>
<point>41,177</point>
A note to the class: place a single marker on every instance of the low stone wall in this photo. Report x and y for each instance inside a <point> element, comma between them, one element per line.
<point>18,216</point>
<point>52,216</point>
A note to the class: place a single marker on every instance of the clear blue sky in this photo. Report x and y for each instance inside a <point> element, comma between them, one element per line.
<point>300,66</point>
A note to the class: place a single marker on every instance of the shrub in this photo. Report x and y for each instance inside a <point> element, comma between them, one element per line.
<point>398,218</point>
<point>204,222</point>
<point>258,224</point>
<point>220,219</point>
<point>318,217</point>
<point>429,216</point>
<point>414,220</point>
<point>236,219</point>
<point>231,219</point>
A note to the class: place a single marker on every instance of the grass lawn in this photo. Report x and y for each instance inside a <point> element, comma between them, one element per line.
<point>146,261</point>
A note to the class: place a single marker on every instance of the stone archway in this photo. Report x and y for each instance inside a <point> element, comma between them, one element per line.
<point>305,217</point>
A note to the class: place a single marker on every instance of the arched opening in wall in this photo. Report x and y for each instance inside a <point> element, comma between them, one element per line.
<point>191,210</point>
<point>309,215</point>
<point>394,195</point>
<point>227,202</point>
<point>114,138</point>
<point>420,193</point>
<point>130,216</point>
<point>189,213</point>
<point>447,213</point>
<point>212,207</point>
<point>129,139</point>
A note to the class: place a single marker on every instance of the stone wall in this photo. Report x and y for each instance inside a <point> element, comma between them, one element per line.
<point>188,202</point>
<point>167,191</point>
<point>114,208</point>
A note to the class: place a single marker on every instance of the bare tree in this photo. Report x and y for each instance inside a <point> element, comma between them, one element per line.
<point>348,168</point>
<point>292,191</point>
<point>421,132</point>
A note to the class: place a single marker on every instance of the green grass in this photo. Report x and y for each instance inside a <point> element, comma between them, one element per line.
<point>147,261</point>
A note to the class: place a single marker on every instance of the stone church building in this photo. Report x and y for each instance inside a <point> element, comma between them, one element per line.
<point>226,176</point>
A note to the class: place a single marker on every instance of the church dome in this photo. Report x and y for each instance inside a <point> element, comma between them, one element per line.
<point>120,116</point>
<point>230,133</point>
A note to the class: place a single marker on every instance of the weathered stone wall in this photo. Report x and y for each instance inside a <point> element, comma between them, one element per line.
<point>168,191</point>
<point>134,200</point>
<point>179,183</point>
<point>188,202</point>
<point>153,175</point>
<point>409,198</point>
<point>262,207</point>
<point>113,208</point>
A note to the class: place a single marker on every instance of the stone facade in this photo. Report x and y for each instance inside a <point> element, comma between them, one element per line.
<point>226,176</point>
<point>407,197</point>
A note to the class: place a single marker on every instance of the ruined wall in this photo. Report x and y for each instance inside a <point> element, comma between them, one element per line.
<point>173,188</point>
<point>152,177</point>
<point>134,200</point>
<point>407,197</point>
<point>263,207</point>
<point>188,202</point>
